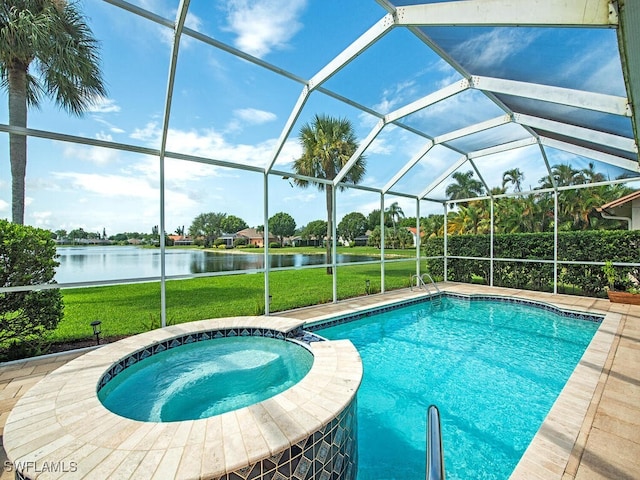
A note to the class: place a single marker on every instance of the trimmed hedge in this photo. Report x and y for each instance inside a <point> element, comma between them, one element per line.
<point>587,246</point>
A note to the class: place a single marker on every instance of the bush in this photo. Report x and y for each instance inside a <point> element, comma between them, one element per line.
<point>274,245</point>
<point>27,257</point>
<point>240,241</point>
<point>597,245</point>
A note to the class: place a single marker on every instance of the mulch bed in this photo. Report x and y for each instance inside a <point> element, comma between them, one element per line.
<point>67,346</point>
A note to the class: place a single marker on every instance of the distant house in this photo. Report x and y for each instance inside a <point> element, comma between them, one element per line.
<point>180,240</point>
<point>306,242</point>
<point>626,208</point>
<point>362,240</point>
<point>228,239</point>
<point>414,235</point>
<point>254,237</point>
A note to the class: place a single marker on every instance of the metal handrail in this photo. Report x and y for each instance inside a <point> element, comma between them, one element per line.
<point>435,454</point>
<point>433,282</point>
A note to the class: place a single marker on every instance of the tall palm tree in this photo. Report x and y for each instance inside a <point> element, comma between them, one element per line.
<point>465,186</point>
<point>514,177</point>
<point>395,213</point>
<point>51,38</point>
<point>327,145</point>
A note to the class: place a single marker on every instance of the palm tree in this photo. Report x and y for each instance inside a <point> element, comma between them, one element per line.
<point>465,187</point>
<point>53,37</point>
<point>474,219</point>
<point>327,145</point>
<point>394,213</point>
<point>564,174</point>
<point>514,177</point>
<point>432,226</point>
<point>590,175</point>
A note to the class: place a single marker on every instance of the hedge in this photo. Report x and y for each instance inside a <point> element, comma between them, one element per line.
<point>592,246</point>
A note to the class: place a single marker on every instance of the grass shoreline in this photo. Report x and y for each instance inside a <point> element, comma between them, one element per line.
<point>128,309</point>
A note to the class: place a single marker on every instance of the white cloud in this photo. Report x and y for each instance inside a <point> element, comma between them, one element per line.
<point>150,134</point>
<point>254,116</point>
<point>264,25</point>
<point>103,105</point>
<point>380,146</point>
<point>109,185</point>
<point>450,75</point>
<point>493,47</point>
<point>96,155</point>
<point>248,116</point>
<point>593,68</point>
<point>104,136</point>
<point>395,96</point>
<point>461,110</point>
<point>212,144</point>
<point>41,219</point>
<point>4,206</point>
<point>110,125</point>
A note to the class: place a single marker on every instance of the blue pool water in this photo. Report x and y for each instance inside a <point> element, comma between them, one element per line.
<point>493,369</point>
<point>202,379</point>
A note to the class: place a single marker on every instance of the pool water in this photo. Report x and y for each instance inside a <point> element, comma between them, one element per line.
<point>202,379</point>
<point>493,369</point>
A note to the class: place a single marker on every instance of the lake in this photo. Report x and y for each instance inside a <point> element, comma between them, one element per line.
<point>100,263</point>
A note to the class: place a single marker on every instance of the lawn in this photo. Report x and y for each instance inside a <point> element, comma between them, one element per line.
<point>134,308</point>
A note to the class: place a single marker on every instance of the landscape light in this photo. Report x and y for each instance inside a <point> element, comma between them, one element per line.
<point>96,330</point>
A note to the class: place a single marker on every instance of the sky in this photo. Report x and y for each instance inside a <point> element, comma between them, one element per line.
<point>226,108</point>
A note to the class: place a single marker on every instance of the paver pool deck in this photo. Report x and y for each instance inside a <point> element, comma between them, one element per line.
<point>592,431</point>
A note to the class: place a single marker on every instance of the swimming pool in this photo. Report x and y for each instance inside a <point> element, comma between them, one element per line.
<point>494,369</point>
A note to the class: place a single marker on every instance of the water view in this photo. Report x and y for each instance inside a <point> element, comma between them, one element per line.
<point>86,264</point>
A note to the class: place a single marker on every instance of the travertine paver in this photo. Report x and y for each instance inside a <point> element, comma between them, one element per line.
<point>607,445</point>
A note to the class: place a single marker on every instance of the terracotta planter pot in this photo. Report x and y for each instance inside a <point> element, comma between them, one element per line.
<point>624,297</point>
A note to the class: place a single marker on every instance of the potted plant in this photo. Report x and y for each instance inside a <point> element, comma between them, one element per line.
<point>618,291</point>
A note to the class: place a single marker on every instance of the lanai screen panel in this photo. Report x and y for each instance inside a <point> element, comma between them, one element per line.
<point>582,117</point>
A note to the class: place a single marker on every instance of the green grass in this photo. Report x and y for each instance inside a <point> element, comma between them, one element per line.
<point>135,308</point>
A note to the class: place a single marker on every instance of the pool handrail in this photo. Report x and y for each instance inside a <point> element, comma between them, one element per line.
<point>435,454</point>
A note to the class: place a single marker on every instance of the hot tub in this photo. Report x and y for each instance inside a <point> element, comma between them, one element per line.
<point>308,431</point>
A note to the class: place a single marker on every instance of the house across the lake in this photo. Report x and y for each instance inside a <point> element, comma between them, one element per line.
<point>254,237</point>
<point>181,240</point>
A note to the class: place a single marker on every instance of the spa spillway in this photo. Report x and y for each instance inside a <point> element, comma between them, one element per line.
<point>297,422</point>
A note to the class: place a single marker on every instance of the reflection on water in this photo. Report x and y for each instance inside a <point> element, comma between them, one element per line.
<point>85,264</point>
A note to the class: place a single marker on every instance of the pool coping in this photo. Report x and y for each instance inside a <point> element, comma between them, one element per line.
<point>61,421</point>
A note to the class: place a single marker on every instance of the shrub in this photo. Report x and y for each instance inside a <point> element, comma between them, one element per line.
<point>274,245</point>
<point>240,241</point>
<point>27,257</point>
<point>580,247</point>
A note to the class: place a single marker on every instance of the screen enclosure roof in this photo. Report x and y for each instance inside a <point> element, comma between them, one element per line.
<point>480,85</point>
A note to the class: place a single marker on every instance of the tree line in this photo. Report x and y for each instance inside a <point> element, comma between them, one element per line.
<point>530,213</point>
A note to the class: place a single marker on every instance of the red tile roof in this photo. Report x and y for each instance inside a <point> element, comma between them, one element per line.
<point>620,201</point>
